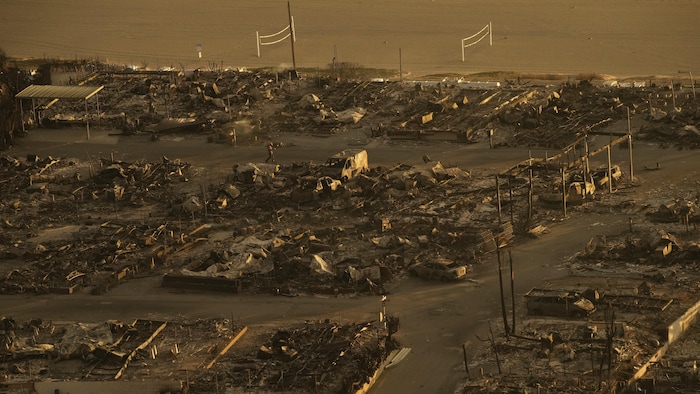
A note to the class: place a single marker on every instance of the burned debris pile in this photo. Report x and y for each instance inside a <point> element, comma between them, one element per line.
<point>197,356</point>
<point>129,218</point>
<point>56,226</point>
<point>345,356</point>
<point>624,318</point>
<point>236,106</point>
<point>370,244</point>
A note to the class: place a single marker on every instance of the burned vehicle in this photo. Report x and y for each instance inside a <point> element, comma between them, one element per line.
<point>346,165</point>
<point>551,302</point>
<point>441,269</point>
<point>577,193</point>
<point>602,178</point>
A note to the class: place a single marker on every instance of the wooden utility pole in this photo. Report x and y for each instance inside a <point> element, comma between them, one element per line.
<point>292,35</point>
<point>498,198</point>
<point>512,292</point>
<point>204,200</point>
<point>585,170</point>
<point>510,199</point>
<point>529,191</point>
<point>503,301</point>
<point>529,197</point>
<point>495,347</point>
<point>563,190</point>
<point>466,365</point>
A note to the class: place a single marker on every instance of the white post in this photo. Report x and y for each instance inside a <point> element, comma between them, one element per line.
<point>629,141</point>
<point>692,83</point>
<point>462,50</point>
<point>490,35</point>
<point>257,41</point>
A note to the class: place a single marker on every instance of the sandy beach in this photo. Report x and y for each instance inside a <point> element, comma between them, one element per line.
<point>421,37</point>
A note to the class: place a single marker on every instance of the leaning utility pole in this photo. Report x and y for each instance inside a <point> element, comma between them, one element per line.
<point>293,35</point>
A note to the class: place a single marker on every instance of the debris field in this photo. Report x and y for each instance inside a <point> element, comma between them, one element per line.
<point>74,225</point>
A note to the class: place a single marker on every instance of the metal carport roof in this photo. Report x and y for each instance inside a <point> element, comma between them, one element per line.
<point>58,92</point>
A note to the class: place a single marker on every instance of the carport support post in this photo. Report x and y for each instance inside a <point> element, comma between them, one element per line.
<point>21,113</point>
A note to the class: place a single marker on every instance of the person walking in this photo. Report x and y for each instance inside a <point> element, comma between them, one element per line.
<point>270,153</point>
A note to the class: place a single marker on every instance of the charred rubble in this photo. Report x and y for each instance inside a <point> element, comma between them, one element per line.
<point>547,115</point>
<point>199,356</point>
<point>74,225</point>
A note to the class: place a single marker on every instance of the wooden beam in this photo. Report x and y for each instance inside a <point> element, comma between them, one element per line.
<point>141,346</point>
<point>224,350</point>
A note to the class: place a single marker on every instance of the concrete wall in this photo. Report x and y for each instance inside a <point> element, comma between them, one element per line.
<point>675,331</point>
<point>678,327</point>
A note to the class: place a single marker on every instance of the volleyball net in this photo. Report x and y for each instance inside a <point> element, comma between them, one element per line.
<point>477,38</point>
<point>272,39</point>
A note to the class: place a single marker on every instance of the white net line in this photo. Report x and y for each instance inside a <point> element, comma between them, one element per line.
<point>475,42</point>
<point>291,32</point>
<point>476,34</point>
<point>276,34</point>
<point>275,42</point>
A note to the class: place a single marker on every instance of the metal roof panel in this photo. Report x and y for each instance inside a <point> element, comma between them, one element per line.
<point>58,92</point>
